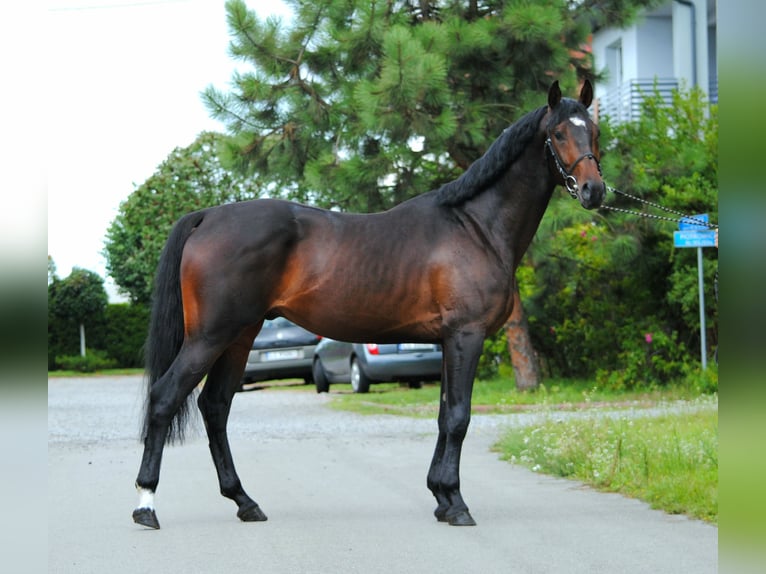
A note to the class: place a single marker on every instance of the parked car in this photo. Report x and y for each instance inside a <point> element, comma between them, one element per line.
<point>282,350</point>
<point>365,364</point>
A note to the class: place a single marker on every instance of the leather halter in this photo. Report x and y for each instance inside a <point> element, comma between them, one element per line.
<point>570,181</point>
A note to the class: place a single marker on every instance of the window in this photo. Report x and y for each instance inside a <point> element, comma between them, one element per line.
<point>614,63</point>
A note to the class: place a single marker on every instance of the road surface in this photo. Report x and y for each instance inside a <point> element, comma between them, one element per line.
<point>344,493</point>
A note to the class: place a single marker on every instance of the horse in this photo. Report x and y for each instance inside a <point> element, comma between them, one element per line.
<point>437,268</point>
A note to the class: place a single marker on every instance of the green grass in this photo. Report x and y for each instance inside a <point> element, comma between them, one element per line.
<point>500,396</point>
<point>669,461</point>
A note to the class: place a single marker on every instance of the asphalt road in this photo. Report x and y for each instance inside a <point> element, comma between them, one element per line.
<point>344,493</point>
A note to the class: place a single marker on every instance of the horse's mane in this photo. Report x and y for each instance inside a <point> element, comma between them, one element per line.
<point>488,168</point>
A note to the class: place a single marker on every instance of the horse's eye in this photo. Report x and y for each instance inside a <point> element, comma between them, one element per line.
<point>558,135</point>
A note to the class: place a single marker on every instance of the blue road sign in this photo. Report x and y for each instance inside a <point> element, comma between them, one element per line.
<point>694,222</point>
<point>694,238</point>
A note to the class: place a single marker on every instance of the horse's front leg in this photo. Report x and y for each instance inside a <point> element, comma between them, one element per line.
<point>215,404</point>
<point>461,356</point>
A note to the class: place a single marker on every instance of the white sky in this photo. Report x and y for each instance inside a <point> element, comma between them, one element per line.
<point>124,84</point>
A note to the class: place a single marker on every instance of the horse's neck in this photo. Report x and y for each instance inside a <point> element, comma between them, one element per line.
<point>512,209</point>
<point>530,217</point>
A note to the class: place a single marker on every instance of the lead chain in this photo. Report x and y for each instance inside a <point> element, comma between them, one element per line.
<point>685,217</point>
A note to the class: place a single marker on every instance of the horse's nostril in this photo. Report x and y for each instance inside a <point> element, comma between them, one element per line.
<point>598,193</point>
<point>585,192</point>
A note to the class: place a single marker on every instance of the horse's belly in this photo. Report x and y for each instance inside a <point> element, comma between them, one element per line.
<point>363,315</point>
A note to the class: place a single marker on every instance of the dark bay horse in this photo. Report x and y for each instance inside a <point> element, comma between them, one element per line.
<point>438,268</point>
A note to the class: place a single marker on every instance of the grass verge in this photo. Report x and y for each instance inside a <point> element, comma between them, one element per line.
<point>500,396</point>
<point>669,461</point>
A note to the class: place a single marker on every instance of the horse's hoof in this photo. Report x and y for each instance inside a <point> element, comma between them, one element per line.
<point>146,517</point>
<point>251,514</point>
<point>462,518</point>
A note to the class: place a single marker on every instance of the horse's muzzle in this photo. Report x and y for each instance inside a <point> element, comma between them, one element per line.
<point>591,193</point>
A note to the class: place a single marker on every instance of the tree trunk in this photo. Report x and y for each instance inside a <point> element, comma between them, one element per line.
<point>526,370</point>
<point>82,340</point>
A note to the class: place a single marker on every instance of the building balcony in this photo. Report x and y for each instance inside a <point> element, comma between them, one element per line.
<point>623,103</point>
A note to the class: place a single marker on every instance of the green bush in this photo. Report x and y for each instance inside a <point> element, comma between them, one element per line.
<point>703,381</point>
<point>653,358</point>
<point>495,353</point>
<point>94,360</point>
<point>125,332</point>
<point>119,334</point>
<point>63,339</point>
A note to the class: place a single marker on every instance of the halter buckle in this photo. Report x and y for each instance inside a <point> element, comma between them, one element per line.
<point>571,184</point>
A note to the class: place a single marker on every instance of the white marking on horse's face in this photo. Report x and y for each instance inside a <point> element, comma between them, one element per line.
<point>579,122</point>
<point>145,498</point>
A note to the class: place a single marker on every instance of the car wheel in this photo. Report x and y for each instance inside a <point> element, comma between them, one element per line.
<point>320,377</point>
<point>415,384</point>
<point>359,381</point>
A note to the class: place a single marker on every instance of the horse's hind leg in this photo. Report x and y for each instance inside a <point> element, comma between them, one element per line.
<point>215,404</point>
<point>167,395</point>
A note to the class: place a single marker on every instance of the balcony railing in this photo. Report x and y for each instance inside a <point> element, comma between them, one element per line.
<point>623,103</point>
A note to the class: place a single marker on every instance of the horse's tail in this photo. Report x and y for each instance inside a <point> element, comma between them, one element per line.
<point>166,324</point>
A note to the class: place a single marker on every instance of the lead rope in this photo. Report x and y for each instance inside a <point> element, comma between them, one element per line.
<point>684,217</point>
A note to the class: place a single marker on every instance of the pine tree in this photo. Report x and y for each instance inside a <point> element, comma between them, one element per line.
<point>360,105</point>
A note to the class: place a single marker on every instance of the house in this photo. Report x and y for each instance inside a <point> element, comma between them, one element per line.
<point>673,45</point>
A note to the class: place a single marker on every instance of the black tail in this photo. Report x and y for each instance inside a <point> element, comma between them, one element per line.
<point>166,325</point>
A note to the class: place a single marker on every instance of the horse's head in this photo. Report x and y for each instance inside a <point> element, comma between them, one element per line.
<point>572,143</point>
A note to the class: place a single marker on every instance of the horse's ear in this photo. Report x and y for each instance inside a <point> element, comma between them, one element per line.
<point>554,95</point>
<point>586,94</point>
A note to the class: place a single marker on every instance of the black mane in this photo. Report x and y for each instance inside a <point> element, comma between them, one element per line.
<point>502,153</point>
<point>489,167</point>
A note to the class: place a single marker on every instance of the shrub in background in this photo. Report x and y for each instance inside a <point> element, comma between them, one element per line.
<point>651,359</point>
<point>94,360</point>
<point>119,335</point>
<point>125,332</point>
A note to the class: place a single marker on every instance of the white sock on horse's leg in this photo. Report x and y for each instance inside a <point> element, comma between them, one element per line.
<point>145,498</point>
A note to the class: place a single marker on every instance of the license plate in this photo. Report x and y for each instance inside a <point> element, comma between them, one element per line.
<point>282,355</point>
<point>415,347</point>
